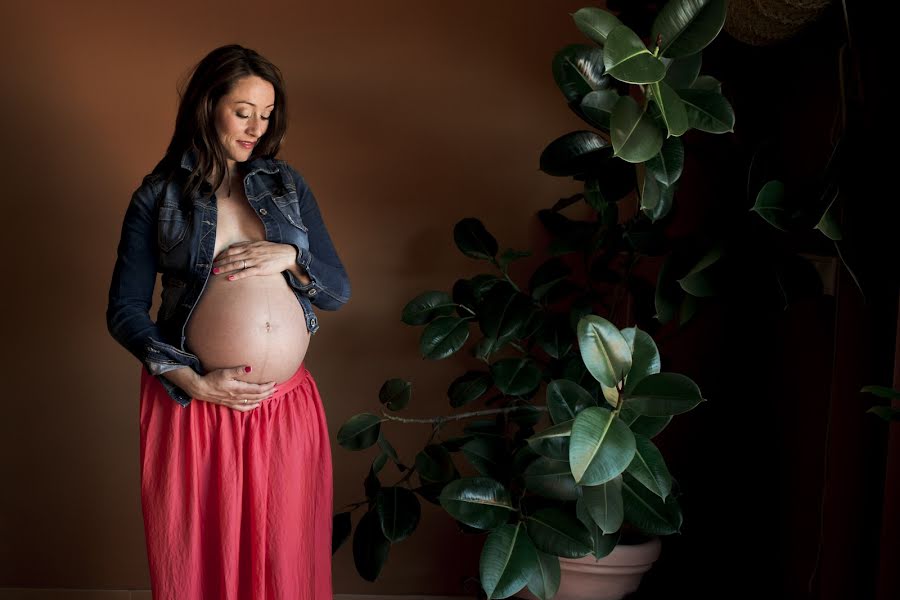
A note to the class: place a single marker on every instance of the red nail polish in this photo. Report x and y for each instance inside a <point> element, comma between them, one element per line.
<point>216,270</point>
<point>231,278</point>
<point>246,369</point>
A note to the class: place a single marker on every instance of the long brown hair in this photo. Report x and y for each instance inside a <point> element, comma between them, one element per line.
<point>210,79</point>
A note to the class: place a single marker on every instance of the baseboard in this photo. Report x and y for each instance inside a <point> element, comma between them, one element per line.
<point>70,594</point>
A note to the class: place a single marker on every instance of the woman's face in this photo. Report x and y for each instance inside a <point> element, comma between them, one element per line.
<point>242,117</point>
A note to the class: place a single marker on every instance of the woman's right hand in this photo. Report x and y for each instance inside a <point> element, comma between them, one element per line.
<point>223,386</point>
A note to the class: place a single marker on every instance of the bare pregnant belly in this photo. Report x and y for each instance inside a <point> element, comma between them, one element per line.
<point>254,321</point>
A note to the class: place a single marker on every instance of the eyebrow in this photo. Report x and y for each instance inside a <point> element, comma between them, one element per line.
<point>250,103</point>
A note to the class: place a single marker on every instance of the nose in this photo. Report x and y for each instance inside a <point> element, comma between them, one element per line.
<point>254,126</point>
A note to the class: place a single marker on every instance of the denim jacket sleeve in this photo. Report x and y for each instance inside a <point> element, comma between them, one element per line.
<point>329,286</point>
<point>131,292</point>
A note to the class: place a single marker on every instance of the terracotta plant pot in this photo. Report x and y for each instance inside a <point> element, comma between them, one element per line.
<point>611,578</point>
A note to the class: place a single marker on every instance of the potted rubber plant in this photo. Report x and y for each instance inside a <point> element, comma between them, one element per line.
<point>562,404</point>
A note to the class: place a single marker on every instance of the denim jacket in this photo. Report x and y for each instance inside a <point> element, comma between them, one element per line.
<point>163,232</point>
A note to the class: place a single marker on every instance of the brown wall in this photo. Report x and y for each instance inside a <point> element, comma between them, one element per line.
<point>405,117</point>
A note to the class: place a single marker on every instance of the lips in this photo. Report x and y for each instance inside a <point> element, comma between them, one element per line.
<point>247,145</point>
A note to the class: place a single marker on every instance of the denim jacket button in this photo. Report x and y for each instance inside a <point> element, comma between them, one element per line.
<point>263,211</point>
<point>312,291</point>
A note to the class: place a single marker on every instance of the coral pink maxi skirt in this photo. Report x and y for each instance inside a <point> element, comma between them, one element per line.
<point>237,505</point>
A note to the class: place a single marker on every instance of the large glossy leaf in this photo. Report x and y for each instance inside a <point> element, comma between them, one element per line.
<point>688,26</point>
<point>770,205</point>
<point>604,504</point>
<point>468,387</point>
<point>708,111</point>
<point>668,164</point>
<point>664,394</point>
<point>488,455</point>
<point>656,198</point>
<point>595,23</point>
<point>370,546</point>
<point>644,356</point>
<point>553,441</point>
<point>479,502</point>
<point>434,463</point>
<point>443,336</point>
<point>550,479</point>
<point>579,70</point>
<point>642,424</point>
<point>516,376</point>
<point>341,527</point>
<point>508,561</point>
<point>565,399</point>
<point>604,350</point>
<point>627,59</point>
<point>703,278</point>
<point>671,108</point>
<point>399,511</point>
<point>646,511</point>
<point>359,432</point>
<point>473,239</point>
<point>426,306</point>
<point>603,543</point>
<point>557,532</point>
<point>555,337</point>
<point>573,153</point>
<point>598,107</point>
<point>600,447</point>
<point>635,136</point>
<point>683,72</point>
<point>708,83</point>
<point>395,393</point>
<point>544,583</point>
<point>649,467</point>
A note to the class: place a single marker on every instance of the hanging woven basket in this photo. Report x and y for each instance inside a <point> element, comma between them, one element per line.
<point>766,22</point>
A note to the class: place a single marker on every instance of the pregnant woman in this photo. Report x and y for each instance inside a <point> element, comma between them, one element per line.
<point>236,479</point>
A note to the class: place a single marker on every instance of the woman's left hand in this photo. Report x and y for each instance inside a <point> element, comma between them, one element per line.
<point>246,259</point>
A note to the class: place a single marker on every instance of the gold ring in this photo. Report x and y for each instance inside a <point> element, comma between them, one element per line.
<point>245,401</point>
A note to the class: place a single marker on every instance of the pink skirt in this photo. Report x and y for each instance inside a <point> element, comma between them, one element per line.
<point>237,505</point>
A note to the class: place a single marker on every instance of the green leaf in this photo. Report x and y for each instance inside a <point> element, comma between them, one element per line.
<point>399,511</point>
<point>708,111</point>
<point>644,356</point>
<point>642,424</point>
<point>656,198</point>
<point>668,164</point>
<point>683,72</point>
<point>370,547</point>
<point>598,107</point>
<point>573,153</point>
<point>509,256</point>
<point>359,432</point>
<point>627,59</point>
<point>508,561</point>
<point>603,503</point>
<point>473,239</point>
<point>427,306</point>
<point>443,336</point>
<point>556,532</point>
<point>578,70</point>
<point>395,393</point>
<point>881,391</point>
<point>516,376</point>
<point>649,468</point>
<point>603,543</point>
<point>553,442</point>
<point>701,280</point>
<point>488,455</point>
<point>551,479</point>
<point>829,224</point>
<point>434,464</point>
<point>663,394</point>
<point>885,412</point>
<point>646,511</point>
<point>635,136</point>
<point>468,387</point>
<point>595,23</point>
<point>671,107</point>
<point>688,26</point>
<point>544,582</point>
<point>604,350</point>
<point>565,399</point>
<point>706,82</point>
<point>600,447</point>
<point>555,337</point>
<point>504,311</point>
<point>479,502</point>
<point>770,205</point>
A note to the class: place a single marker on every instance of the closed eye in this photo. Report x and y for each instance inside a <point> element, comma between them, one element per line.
<point>248,116</point>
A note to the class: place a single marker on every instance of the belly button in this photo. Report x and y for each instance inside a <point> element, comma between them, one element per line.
<point>268,326</point>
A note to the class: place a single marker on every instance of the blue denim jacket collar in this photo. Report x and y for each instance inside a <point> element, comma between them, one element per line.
<point>259,163</point>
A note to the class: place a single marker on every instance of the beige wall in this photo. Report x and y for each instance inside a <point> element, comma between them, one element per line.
<point>406,117</point>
